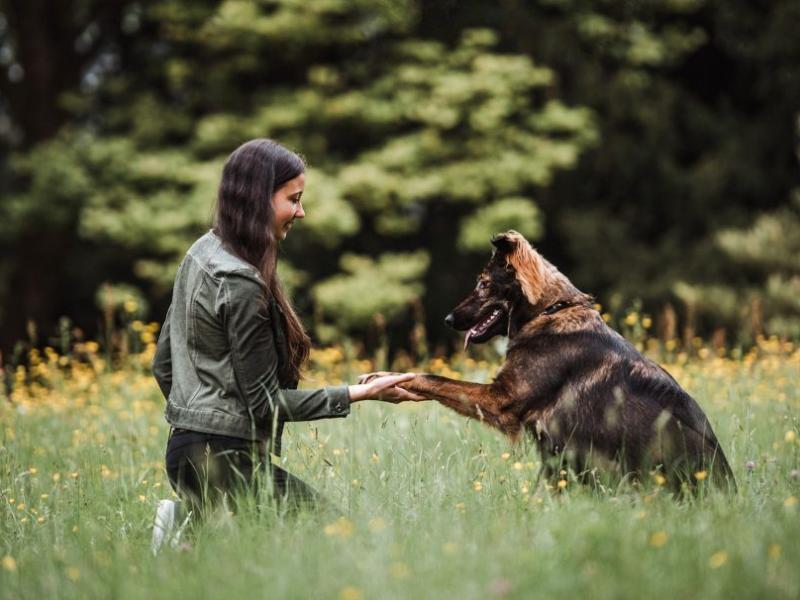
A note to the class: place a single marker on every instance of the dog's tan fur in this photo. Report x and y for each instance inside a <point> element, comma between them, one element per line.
<point>576,386</point>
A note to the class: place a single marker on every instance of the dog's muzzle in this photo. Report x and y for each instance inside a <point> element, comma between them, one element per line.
<point>449,320</point>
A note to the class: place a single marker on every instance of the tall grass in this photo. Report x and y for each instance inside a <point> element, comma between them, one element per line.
<point>426,503</point>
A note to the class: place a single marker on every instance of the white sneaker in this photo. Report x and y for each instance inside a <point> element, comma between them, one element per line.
<point>167,526</point>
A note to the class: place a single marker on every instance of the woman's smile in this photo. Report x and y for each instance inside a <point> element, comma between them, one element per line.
<point>286,205</point>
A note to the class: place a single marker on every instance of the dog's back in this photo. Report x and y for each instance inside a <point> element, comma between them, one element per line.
<point>591,399</point>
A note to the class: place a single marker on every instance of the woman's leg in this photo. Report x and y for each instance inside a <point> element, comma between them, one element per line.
<point>294,493</point>
<point>203,468</point>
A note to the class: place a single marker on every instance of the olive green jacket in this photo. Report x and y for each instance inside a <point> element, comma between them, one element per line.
<point>221,349</point>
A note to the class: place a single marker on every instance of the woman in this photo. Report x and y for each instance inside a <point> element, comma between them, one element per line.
<point>231,349</point>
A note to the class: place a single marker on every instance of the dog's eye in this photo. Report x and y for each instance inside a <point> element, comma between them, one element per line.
<point>482,285</point>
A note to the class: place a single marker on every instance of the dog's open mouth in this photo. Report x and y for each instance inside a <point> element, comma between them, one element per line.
<point>479,330</point>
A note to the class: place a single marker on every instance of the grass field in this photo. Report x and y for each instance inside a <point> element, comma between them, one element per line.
<point>434,506</point>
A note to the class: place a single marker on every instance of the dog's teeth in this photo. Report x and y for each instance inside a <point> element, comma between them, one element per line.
<point>481,327</point>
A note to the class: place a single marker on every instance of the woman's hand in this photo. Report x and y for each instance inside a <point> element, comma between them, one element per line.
<point>383,388</point>
<point>367,377</point>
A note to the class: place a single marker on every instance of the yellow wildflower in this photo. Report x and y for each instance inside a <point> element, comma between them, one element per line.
<point>376,524</point>
<point>562,483</point>
<point>790,501</point>
<point>774,551</point>
<point>399,570</point>
<point>449,548</point>
<point>700,475</point>
<point>658,539</point>
<point>9,564</point>
<point>342,527</point>
<point>73,573</point>
<point>718,559</point>
<point>350,593</point>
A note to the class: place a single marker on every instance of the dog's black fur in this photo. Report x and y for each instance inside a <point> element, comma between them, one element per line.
<point>590,400</point>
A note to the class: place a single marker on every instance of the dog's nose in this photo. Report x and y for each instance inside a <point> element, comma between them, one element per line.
<point>449,319</point>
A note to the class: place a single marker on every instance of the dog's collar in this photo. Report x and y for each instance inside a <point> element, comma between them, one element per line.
<point>554,308</point>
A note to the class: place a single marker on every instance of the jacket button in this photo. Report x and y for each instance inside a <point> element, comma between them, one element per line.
<point>223,394</point>
<point>338,406</point>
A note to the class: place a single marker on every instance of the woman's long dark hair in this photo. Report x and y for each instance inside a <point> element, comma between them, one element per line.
<point>244,218</point>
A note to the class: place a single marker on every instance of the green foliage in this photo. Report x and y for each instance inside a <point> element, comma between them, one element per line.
<point>120,298</point>
<point>767,295</point>
<point>369,288</point>
<point>390,131</point>
<point>330,217</point>
<point>53,194</point>
<point>520,214</point>
<point>655,137</point>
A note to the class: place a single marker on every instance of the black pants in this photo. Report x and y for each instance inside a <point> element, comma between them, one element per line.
<point>204,467</point>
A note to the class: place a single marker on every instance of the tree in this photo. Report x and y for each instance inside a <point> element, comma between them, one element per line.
<point>409,142</point>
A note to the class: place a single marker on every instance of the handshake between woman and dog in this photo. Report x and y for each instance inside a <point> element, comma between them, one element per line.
<point>588,398</point>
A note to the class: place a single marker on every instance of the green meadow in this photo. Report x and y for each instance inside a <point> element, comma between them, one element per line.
<point>423,502</point>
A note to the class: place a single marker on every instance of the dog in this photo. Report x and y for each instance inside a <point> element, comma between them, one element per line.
<point>588,398</point>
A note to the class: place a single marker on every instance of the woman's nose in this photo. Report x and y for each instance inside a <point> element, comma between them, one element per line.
<point>299,213</point>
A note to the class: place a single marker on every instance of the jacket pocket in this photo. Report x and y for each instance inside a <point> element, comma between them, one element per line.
<point>191,400</point>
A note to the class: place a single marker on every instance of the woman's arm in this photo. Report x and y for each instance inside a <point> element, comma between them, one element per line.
<point>255,363</point>
<point>162,361</point>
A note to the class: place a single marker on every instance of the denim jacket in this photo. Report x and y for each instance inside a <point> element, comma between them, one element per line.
<point>221,349</point>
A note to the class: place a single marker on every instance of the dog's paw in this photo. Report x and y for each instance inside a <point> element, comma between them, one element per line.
<point>367,377</point>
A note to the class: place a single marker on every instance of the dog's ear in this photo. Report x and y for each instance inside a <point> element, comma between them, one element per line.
<point>505,243</point>
<point>528,265</point>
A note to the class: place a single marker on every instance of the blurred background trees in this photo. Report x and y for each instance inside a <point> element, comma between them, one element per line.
<point>648,148</point>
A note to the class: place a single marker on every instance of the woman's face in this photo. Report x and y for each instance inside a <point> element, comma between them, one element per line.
<point>286,205</point>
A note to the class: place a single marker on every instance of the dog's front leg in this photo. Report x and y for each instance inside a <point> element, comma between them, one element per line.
<point>477,400</point>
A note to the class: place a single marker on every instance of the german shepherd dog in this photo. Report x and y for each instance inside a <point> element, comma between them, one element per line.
<point>589,399</point>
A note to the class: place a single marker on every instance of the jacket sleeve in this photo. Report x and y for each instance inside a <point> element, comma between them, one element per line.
<point>162,361</point>
<point>255,361</point>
